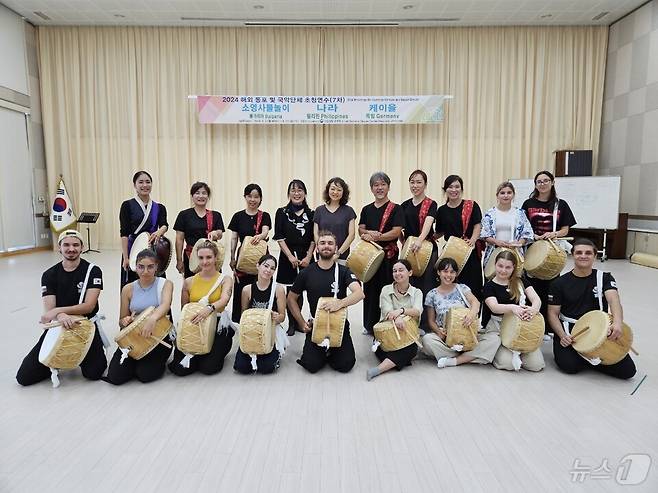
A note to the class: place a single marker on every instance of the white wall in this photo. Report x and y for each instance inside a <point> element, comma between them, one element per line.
<point>13,60</point>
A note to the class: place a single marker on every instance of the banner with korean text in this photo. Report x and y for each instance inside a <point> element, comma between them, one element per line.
<point>301,110</point>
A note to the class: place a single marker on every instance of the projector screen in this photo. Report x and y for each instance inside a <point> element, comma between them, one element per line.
<point>13,64</point>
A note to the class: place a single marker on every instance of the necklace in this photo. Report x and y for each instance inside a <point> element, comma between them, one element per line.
<point>397,290</point>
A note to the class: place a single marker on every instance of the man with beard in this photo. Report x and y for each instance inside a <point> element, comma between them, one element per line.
<point>325,278</point>
<point>70,287</point>
<point>574,294</point>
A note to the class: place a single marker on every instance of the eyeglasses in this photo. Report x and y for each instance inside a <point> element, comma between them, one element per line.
<point>542,182</point>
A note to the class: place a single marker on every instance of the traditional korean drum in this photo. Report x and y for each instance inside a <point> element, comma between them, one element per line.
<point>328,325</point>
<point>419,260</point>
<point>257,332</point>
<point>519,335</point>
<point>457,334</point>
<point>544,260</point>
<point>490,268</point>
<point>457,249</point>
<point>138,346</point>
<point>194,259</point>
<point>249,255</point>
<point>161,247</point>
<point>391,338</point>
<point>192,338</point>
<point>64,349</point>
<point>364,259</point>
<point>590,338</point>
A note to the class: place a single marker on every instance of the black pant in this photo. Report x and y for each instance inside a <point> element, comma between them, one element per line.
<point>401,357</point>
<point>148,369</point>
<point>372,289</point>
<point>541,288</point>
<point>341,358</point>
<point>239,284</point>
<point>265,363</point>
<point>208,364</point>
<point>569,361</point>
<point>93,365</point>
<point>426,283</point>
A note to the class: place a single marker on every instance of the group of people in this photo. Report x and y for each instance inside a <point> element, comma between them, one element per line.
<point>314,246</point>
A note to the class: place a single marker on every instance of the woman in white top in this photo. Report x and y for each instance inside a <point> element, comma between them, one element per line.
<point>505,225</point>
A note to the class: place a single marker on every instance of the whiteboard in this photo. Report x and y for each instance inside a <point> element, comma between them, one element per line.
<point>594,200</point>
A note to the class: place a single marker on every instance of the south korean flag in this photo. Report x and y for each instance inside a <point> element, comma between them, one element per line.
<point>61,213</point>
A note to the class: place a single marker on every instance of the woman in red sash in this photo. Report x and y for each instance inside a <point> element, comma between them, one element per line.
<point>380,222</point>
<point>195,223</point>
<point>249,222</point>
<point>461,218</point>
<point>419,216</point>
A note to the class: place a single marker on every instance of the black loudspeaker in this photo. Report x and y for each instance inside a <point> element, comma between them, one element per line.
<point>573,163</point>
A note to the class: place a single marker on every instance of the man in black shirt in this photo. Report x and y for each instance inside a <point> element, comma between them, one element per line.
<point>318,280</point>
<point>61,290</point>
<point>576,293</point>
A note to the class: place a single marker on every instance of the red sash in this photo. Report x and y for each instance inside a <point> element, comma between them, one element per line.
<point>424,210</point>
<point>188,248</point>
<point>390,248</point>
<point>467,211</point>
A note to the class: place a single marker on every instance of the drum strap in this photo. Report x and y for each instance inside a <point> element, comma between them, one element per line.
<point>161,283</point>
<point>335,280</point>
<point>259,220</point>
<point>424,210</point>
<point>461,293</point>
<point>147,213</point>
<point>467,211</point>
<point>206,298</point>
<point>270,303</point>
<point>566,323</point>
<point>599,288</point>
<point>391,247</point>
<point>555,207</point>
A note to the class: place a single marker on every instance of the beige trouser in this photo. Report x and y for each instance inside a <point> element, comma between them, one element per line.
<point>532,361</point>
<point>484,352</point>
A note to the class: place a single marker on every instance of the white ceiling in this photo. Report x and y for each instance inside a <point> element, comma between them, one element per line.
<point>404,12</point>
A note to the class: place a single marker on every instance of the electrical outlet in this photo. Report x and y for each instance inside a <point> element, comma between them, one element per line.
<point>44,236</point>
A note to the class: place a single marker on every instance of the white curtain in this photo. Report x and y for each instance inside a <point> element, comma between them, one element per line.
<point>115,101</point>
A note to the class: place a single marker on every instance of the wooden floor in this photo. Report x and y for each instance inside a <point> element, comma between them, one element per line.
<point>423,429</point>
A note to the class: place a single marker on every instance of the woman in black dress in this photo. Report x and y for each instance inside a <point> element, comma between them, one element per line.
<point>461,218</point>
<point>137,215</point>
<point>550,218</point>
<point>195,223</point>
<point>419,216</point>
<point>248,222</point>
<point>293,230</point>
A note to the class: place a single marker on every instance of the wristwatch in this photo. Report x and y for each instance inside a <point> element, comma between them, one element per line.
<point>211,306</point>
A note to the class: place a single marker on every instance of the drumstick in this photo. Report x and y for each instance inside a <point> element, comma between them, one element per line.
<point>634,351</point>
<point>50,325</point>
<point>574,336</point>
<point>397,333</point>
<point>161,341</point>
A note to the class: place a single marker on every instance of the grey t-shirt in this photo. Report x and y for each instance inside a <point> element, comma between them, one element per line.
<point>337,222</point>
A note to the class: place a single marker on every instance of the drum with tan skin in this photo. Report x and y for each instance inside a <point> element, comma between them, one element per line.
<point>328,326</point>
<point>519,335</point>
<point>457,249</point>
<point>195,339</point>
<point>257,331</point>
<point>544,260</point>
<point>419,260</point>
<point>249,256</point>
<point>457,333</point>
<point>590,338</point>
<point>64,349</point>
<point>392,339</point>
<point>364,259</point>
<point>138,346</point>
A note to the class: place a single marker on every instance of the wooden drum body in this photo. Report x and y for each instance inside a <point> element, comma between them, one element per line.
<point>194,260</point>
<point>544,260</point>
<point>64,349</point>
<point>364,260</point>
<point>590,335</point>
<point>328,325</point>
<point>195,338</point>
<point>391,338</point>
<point>457,334</point>
<point>520,335</point>
<point>249,255</point>
<point>419,260</point>
<point>139,346</point>
<point>257,332</point>
<point>457,249</point>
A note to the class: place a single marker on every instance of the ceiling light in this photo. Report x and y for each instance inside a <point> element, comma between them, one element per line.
<point>259,7</point>
<point>600,16</point>
<point>546,16</point>
<point>408,7</point>
<point>42,15</point>
<point>120,16</point>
